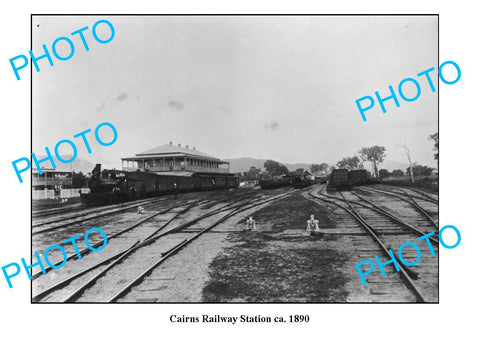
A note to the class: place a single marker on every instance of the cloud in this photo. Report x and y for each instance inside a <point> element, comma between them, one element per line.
<point>272,126</point>
<point>122,97</point>
<point>175,105</point>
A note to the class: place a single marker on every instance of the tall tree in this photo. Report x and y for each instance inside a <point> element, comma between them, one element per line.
<point>350,163</point>
<point>272,167</point>
<point>383,173</point>
<point>282,170</point>
<point>252,173</point>
<point>397,173</point>
<point>420,170</point>
<point>299,171</point>
<point>318,168</point>
<point>375,154</point>
<point>434,138</point>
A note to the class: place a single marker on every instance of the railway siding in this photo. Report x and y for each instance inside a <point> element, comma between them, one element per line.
<point>279,262</point>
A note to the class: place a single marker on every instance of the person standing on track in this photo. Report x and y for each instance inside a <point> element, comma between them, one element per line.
<point>175,191</point>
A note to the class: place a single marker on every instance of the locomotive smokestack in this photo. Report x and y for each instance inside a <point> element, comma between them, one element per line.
<point>179,145</point>
<point>186,146</point>
<point>97,170</point>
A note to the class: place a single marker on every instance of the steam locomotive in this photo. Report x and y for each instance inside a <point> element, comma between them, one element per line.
<point>114,186</point>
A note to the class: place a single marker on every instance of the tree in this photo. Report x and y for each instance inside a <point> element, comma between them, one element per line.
<point>434,138</point>
<point>271,167</point>
<point>407,152</point>
<point>318,168</point>
<point>79,180</point>
<point>299,171</point>
<point>420,170</point>
<point>283,170</point>
<point>375,154</point>
<point>383,173</point>
<point>252,173</point>
<point>397,173</point>
<point>350,163</point>
<point>275,168</point>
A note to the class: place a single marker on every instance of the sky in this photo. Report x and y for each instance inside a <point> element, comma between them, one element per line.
<point>272,87</point>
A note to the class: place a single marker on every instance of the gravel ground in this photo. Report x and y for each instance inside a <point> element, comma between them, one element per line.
<point>280,262</point>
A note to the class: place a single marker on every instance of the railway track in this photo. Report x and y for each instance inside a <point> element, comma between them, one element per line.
<point>389,232</point>
<point>425,195</point>
<point>57,210</point>
<point>52,236</point>
<point>104,281</point>
<point>71,254</point>
<point>66,220</point>
<point>417,194</point>
<point>409,199</point>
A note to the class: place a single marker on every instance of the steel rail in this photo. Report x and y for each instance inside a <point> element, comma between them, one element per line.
<point>405,275</point>
<point>51,211</point>
<point>410,201</point>
<point>62,283</point>
<point>179,204</point>
<point>389,215</point>
<point>425,196</point>
<point>149,239</point>
<point>185,242</point>
<point>98,243</point>
<point>394,188</point>
<point>125,205</point>
<point>420,208</point>
<point>109,212</point>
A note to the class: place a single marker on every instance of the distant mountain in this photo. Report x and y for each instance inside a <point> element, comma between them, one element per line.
<point>244,164</point>
<point>78,165</point>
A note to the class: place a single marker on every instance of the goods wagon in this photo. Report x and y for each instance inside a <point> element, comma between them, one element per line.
<point>339,179</point>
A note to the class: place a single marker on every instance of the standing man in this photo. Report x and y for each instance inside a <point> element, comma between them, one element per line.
<point>175,191</point>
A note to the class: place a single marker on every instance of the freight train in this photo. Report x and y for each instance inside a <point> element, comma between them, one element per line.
<point>114,186</point>
<point>343,179</point>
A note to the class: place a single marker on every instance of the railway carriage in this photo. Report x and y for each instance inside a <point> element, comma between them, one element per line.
<point>160,171</point>
<point>113,186</point>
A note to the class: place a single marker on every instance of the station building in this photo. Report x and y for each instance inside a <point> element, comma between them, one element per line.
<point>51,184</point>
<point>169,158</point>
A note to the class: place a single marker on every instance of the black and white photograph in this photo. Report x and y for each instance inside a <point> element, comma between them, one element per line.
<point>225,174</point>
<point>235,158</point>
